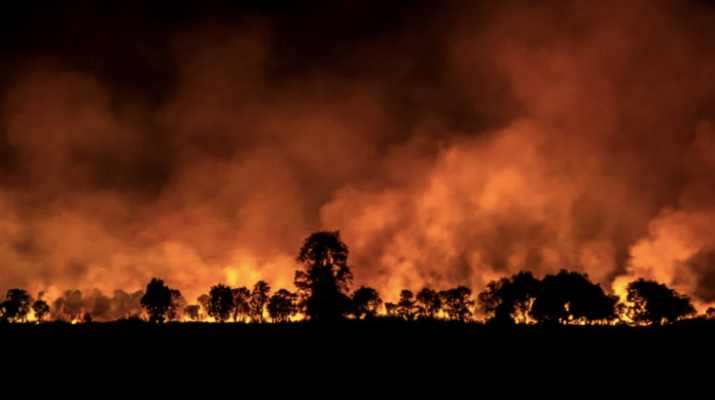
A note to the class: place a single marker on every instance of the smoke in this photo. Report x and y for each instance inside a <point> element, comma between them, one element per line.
<point>451,143</point>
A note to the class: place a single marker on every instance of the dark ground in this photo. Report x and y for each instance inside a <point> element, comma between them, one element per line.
<point>376,353</point>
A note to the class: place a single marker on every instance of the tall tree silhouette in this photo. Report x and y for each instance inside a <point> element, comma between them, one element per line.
<point>508,300</point>
<point>16,305</point>
<point>324,283</point>
<point>458,303</point>
<point>241,303</point>
<point>654,303</point>
<point>156,300</point>
<point>281,306</point>
<point>221,302</point>
<point>366,302</point>
<point>259,298</point>
<point>570,297</point>
<point>40,307</point>
<point>429,303</point>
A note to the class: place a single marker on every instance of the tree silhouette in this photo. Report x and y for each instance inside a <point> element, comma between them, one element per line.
<point>221,302</point>
<point>366,302</point>
<point>654,303</point>
<point>156,300</point>
<point>40,307</point>
<point>241,302</point>
<point>458,303</point>
<point>569,297</point>
<point>391,309</point>
<point>710,313</point>
<point>203,301</point>
<point>406,307</point>
<point>324,283</point>
<point>259,298</point>
<point>16,305</point>
<point>192,311</point>
<point>508,300</point>
<point>281,306</point>
<point>429,302</point>
<point>175,304</point>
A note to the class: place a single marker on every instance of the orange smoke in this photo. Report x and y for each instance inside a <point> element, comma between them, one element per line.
<point>517,136</point>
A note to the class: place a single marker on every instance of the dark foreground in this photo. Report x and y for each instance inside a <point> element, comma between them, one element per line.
<point>391,352</point>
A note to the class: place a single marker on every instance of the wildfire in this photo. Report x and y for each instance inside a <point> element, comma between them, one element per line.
<point>517,144</point>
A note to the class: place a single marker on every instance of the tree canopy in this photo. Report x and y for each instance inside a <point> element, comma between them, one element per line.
<point>259,298</point>
<point>324,282</point>
<point>571,297</point>
<point>220,303</point>
<point>281,306</point>
<point>16,305</point>
<point>366,302</point>
<point>156,300</point>
<point>655,304</point>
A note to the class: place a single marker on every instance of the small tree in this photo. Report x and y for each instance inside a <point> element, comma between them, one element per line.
<point>241,303</point>
<point>40,307</point>
<point>429,303</point>
<point>192,311</point>
<point>175,306</point>
<point>366,302</point>
<point>391,309</point>
<point>282,306</point>
<point>203,301</point>
<point>259,298</point>
<point>157,300</point>
<point>16,305</point>
<point>509,300</point>
<point>220,302</point>
<point>458,303</point>
<point>654,303</point>
<point>710,313</point>
<point>406,307</point>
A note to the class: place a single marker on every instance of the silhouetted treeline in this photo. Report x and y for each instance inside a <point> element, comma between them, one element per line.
<point>323,294</point>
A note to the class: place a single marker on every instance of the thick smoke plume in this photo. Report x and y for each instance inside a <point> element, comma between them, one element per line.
<point>450,142</point>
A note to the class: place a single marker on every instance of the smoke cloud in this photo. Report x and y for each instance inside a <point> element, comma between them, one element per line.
<point>450,142</point>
